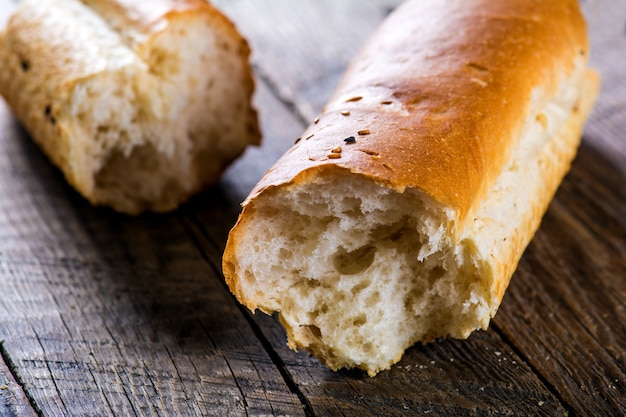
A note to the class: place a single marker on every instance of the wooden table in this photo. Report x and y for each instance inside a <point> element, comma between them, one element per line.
<point>107,315</point>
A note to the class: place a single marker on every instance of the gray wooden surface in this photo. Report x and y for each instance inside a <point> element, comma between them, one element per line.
<point>107,315</point>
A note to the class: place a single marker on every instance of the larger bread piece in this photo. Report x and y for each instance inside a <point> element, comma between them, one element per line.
<point>401,214</point>
<point>140,103</point>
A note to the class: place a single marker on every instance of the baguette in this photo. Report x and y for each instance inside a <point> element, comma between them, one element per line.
<point>402,213</point>
<point>140,104</point>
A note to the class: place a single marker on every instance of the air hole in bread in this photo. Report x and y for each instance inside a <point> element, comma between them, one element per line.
<point>360,287</point>
<point>315,331</point>
<point>542,119</point>
<point>359,320</point>
<point>163,62</point>
<point>354,262</point>
<point>435,273</point>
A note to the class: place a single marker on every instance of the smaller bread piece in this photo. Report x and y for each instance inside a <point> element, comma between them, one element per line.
<point>141,104</point>
<point>402,212</point>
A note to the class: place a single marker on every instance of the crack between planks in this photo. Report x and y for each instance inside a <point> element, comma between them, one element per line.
<point>93,377</point>
<point>117,375</point>
<point>279,363</point>
<point>16,376</point>
<point>87,367</point>
<point>45,359</point>
<point>241,391</point>
<point>230,368</point>
<point>549,386</point>
<point>180,377</point>
<point>269,349</point>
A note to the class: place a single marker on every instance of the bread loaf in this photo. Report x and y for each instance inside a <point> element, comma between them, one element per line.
<point>140,103</point>
<point>401,214</point>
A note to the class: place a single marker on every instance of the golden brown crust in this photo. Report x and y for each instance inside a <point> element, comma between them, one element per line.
<point>456,104</point>
<point>557,157</point>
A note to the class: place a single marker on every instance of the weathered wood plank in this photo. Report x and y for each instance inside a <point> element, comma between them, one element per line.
<point>13,400</point>
<point>480,376</point>
<point>301,50</point>
<point>108,315</point>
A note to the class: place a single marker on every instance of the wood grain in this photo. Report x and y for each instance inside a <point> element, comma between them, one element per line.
<point>301,52</point>
<point>547,314</point>
<point>107,315</point>
<point>13,400</point>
